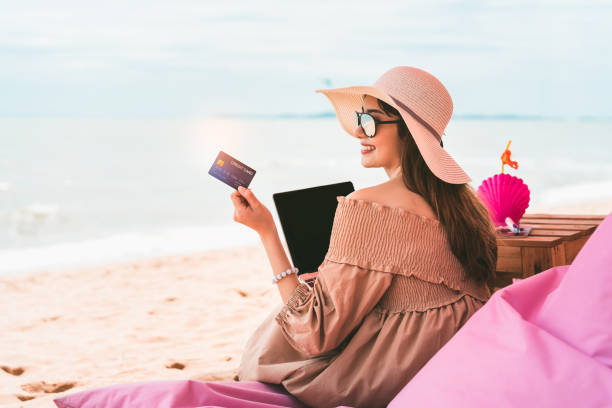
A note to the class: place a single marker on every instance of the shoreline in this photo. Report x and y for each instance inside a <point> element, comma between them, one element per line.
<point>598,207</point>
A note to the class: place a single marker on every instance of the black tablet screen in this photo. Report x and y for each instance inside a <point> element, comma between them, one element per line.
<point>307,217</point>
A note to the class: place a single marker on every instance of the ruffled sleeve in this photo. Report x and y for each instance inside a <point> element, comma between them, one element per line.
<point>318,320</point>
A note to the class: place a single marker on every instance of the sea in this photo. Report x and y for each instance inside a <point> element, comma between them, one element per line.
<point>82,192</point>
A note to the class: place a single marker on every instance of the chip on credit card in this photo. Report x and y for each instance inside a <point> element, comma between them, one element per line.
<point>231,171</point>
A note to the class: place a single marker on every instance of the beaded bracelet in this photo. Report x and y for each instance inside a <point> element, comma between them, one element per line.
<point>284,274</point>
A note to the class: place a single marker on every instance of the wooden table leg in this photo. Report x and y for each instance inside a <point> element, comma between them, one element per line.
<point>536,260</point>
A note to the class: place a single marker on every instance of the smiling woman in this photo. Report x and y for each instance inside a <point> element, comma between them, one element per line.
<point>400,277</point>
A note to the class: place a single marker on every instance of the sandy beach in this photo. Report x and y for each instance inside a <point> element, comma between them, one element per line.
<point>179,317</point>
<point>176,317</point>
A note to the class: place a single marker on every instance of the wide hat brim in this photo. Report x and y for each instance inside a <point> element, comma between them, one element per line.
<point>348,100</point>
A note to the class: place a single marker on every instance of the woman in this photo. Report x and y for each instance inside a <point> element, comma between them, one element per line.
<point>407,264</point>
<point>406,267</point>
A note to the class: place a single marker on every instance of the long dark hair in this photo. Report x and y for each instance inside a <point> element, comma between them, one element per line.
<point>465,219</point>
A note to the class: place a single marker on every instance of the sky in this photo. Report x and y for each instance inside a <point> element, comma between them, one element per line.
<point>185,58</point>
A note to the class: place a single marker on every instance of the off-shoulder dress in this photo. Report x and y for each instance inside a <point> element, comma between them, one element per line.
<point>389,294</point>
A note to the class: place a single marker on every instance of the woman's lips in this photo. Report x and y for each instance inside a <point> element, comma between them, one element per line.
<point>366,150</point>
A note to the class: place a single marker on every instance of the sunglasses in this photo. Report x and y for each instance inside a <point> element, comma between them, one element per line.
<point>368,123</point>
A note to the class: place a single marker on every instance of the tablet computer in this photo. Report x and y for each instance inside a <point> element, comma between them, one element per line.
<point>307,217</point>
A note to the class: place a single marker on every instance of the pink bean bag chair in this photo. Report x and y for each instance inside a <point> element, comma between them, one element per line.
<point>545,341</point>
<point>182,394</point>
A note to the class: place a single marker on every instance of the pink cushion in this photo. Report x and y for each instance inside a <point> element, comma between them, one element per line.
<point>542,341</point>
<point>580,310</point>
<point>182,394</point>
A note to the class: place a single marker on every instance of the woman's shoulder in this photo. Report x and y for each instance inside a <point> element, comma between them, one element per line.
<point>394,195</point>
<point>367,228</point>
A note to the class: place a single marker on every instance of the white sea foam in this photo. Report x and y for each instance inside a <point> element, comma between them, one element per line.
<point>40,210</point>
<point>124,247</point>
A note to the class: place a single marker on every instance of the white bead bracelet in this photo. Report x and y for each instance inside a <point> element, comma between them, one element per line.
<point>284,274</point>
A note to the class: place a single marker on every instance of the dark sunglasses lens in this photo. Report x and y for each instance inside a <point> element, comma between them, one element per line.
<point>368,125</point>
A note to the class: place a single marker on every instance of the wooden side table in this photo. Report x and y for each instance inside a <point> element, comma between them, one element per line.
<point>553,241</point>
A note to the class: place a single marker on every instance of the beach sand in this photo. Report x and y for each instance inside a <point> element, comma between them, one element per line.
<point>176,317</point>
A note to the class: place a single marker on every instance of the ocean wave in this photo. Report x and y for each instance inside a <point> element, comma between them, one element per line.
<point>124,247</point>
<point>28,220</point>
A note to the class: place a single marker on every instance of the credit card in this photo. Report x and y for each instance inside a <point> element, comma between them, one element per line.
<point>231,171</point>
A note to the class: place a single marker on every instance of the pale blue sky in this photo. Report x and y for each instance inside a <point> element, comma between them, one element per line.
<point>192,58</point>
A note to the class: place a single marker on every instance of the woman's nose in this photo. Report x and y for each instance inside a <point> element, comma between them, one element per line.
<point>358,132</point>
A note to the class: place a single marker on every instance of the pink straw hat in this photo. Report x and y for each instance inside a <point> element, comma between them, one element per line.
<point>425,106</point>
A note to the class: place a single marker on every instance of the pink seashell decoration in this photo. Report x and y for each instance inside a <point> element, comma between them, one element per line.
<point>504,196</point>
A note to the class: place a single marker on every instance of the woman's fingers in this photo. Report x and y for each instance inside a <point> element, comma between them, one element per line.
<point>250,211</point>
<point>239,201</point>
<point>249,196</point>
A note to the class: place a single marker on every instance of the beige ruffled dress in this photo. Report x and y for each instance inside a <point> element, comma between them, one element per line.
<point>389,294</point>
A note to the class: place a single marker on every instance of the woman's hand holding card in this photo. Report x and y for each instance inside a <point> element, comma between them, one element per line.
<point>248,210</point>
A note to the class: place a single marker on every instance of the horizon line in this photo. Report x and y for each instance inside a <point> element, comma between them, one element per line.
<point>315,115</point>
